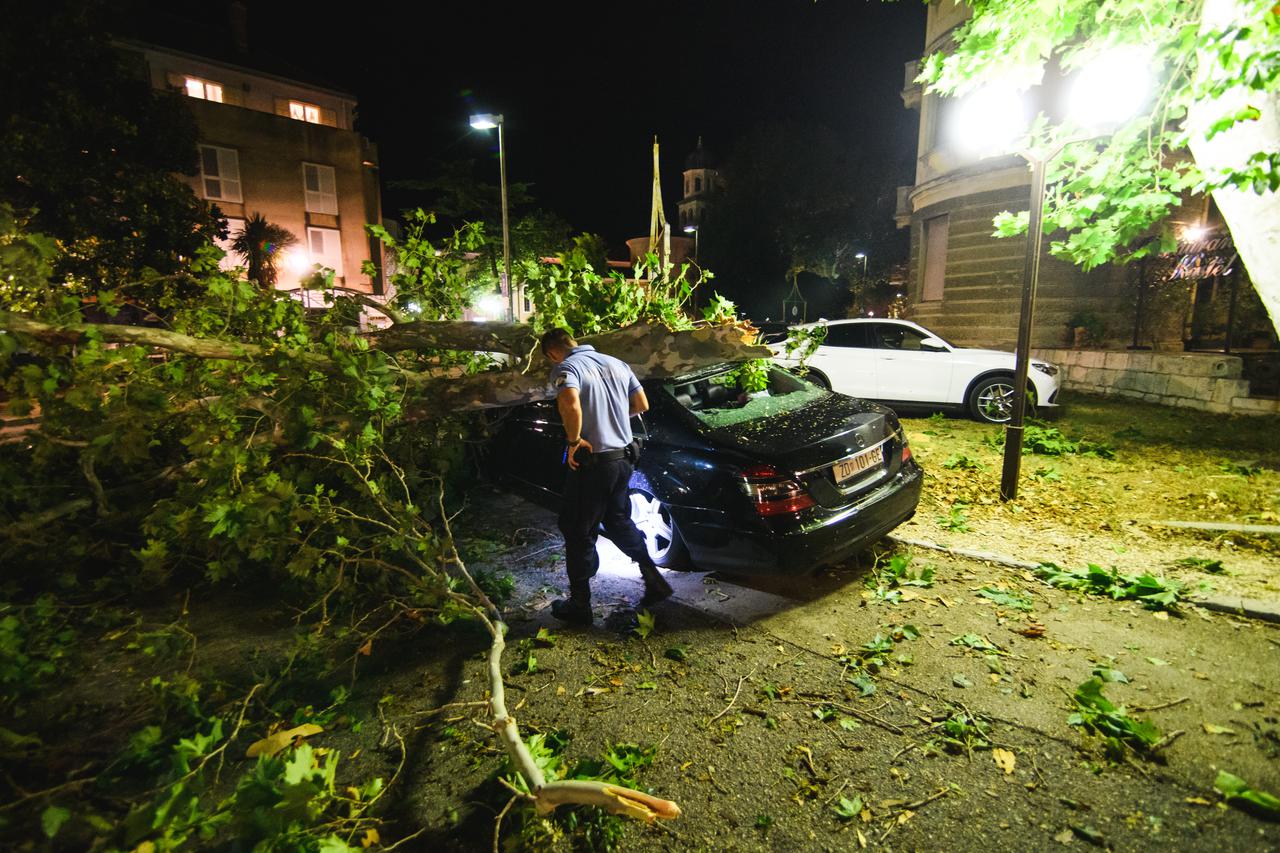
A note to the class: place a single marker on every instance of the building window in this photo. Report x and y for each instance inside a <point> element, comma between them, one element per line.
<point>697,185</point>
<point>203,89</point>
<point>304,112</point>
<point>325,248</point>
<point>220,173</point>
<point>231,260</point>
<point>935,258</point>
<point>321,189</point>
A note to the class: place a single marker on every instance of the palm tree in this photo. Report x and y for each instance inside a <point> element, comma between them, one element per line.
<point>260,245</point>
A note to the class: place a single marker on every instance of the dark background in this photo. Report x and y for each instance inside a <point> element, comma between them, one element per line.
<point>584,87</point>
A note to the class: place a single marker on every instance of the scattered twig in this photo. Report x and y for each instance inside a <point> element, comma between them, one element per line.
<point>497,822</point>
<point>1167,740</point>
<point>733,700</point>
<point>864,716</point>
<point>1162,705</point>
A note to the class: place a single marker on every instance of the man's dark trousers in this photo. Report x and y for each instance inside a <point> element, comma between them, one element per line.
<point>595,493</point>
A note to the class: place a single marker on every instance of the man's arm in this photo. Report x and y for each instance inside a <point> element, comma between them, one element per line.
<point>570,413</point>
<point>639,402</point>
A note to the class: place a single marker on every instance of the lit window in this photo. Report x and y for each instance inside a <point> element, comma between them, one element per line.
<point>320,186</point>
<point>220,173</point>
<point>304,112</point>
<point>203,89</point>
<point>231,260</point>
<point>325,248</point>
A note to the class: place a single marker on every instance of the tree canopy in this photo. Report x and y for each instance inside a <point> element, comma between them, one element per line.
<point>1211,124</point>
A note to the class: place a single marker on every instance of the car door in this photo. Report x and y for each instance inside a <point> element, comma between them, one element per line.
<point>904,370</point>
<point>847,359</point>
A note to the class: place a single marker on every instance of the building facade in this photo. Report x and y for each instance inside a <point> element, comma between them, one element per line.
<point>285,149</point>
<point>966,284</point>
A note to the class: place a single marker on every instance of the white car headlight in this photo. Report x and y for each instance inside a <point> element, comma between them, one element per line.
<point>1047,369</point>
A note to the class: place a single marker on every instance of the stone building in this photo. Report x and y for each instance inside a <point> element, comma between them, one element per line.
<point>966,284</point>
<point>702,180</point>
<point>282,147</point>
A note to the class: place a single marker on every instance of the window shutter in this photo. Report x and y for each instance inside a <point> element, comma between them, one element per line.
<point>320,186</point>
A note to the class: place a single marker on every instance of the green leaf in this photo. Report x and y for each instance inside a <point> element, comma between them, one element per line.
<point>847,809</point>
<point>644,624</point>
<point>1236,790</point>
<point>52,819</point>
<point>849,724</point>
<point>1006,599</point>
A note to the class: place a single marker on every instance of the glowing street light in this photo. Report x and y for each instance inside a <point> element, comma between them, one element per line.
<point>1104,93</point>
<point>488,121</point>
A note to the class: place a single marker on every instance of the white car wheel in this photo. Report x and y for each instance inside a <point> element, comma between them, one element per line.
<point>991,400</point>
<point>652,518</point>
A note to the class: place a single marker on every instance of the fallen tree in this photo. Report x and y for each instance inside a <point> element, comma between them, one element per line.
<point>653,351</point>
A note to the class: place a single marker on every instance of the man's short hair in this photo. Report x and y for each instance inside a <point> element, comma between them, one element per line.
<point>556,338</point>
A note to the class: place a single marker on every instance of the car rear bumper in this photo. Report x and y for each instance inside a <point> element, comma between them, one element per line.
<point>717,544</point>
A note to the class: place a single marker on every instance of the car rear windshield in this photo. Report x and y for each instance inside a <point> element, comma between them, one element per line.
<point>724,399</point>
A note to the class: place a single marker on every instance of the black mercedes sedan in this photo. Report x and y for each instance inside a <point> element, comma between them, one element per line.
<point>786,478</point>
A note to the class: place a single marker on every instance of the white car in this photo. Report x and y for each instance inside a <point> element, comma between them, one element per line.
<point>904,365</point>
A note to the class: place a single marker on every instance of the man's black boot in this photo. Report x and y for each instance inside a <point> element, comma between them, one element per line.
<point>656,588</point>
<point>574,610</point>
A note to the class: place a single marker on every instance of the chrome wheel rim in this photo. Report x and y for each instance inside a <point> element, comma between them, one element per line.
<point>996,402</point>
<point>653,521</point>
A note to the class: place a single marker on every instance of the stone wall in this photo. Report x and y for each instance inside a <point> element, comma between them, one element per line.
<point>1208,382</point>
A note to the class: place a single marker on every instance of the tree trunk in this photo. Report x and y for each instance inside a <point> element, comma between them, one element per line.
<point>1254,219</point>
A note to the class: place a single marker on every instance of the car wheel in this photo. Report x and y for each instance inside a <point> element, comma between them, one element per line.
<point>661,538</point>
<point>991,400</point>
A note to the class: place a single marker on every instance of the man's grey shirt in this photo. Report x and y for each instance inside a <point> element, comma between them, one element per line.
<point>605,385</point>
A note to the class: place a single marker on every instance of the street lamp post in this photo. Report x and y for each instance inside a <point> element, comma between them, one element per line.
<point>487,121</point>
<point>1104,94</point>
<point>862,291</point>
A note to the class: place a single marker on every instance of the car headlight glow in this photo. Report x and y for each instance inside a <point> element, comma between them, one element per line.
<point>1047,369</point>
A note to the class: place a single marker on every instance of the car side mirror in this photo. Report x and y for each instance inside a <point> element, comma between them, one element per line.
<point>932,345</point>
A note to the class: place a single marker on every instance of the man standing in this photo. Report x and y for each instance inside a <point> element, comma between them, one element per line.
<point>597,394</point>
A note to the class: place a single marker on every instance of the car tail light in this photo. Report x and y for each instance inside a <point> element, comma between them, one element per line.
<point>906,451</point>
<point>774,493</point>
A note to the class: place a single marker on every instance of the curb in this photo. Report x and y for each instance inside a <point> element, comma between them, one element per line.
<point>1252,608</point>
<point>1266,611</point>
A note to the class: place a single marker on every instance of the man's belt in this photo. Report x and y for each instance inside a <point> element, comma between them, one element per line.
<point>606,455</point>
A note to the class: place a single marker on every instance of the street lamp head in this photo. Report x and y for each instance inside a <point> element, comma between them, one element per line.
<point>690,229</point>
<point>1111,88</point>
<point>485,121</point>
<point>991,121</point>
<point>860,255</point>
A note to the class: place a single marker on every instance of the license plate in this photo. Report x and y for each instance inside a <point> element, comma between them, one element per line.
<point>849,468</point>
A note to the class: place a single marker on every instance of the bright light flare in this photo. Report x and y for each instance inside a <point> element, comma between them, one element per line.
<point>297,261</point>
<point>990,121</point>
<point>485,121</point>
<point>1111,88</point>
<point>491,306</point>
<point>1194,233</point>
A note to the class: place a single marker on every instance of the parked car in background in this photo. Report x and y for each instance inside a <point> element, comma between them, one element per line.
<point>906,366</point>
<point>783,479</point>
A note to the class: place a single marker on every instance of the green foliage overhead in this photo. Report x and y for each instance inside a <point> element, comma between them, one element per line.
<point>1107,195</point>
<point>89,152</point>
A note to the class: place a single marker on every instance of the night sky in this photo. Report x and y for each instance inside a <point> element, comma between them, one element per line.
<point>585,86</point>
